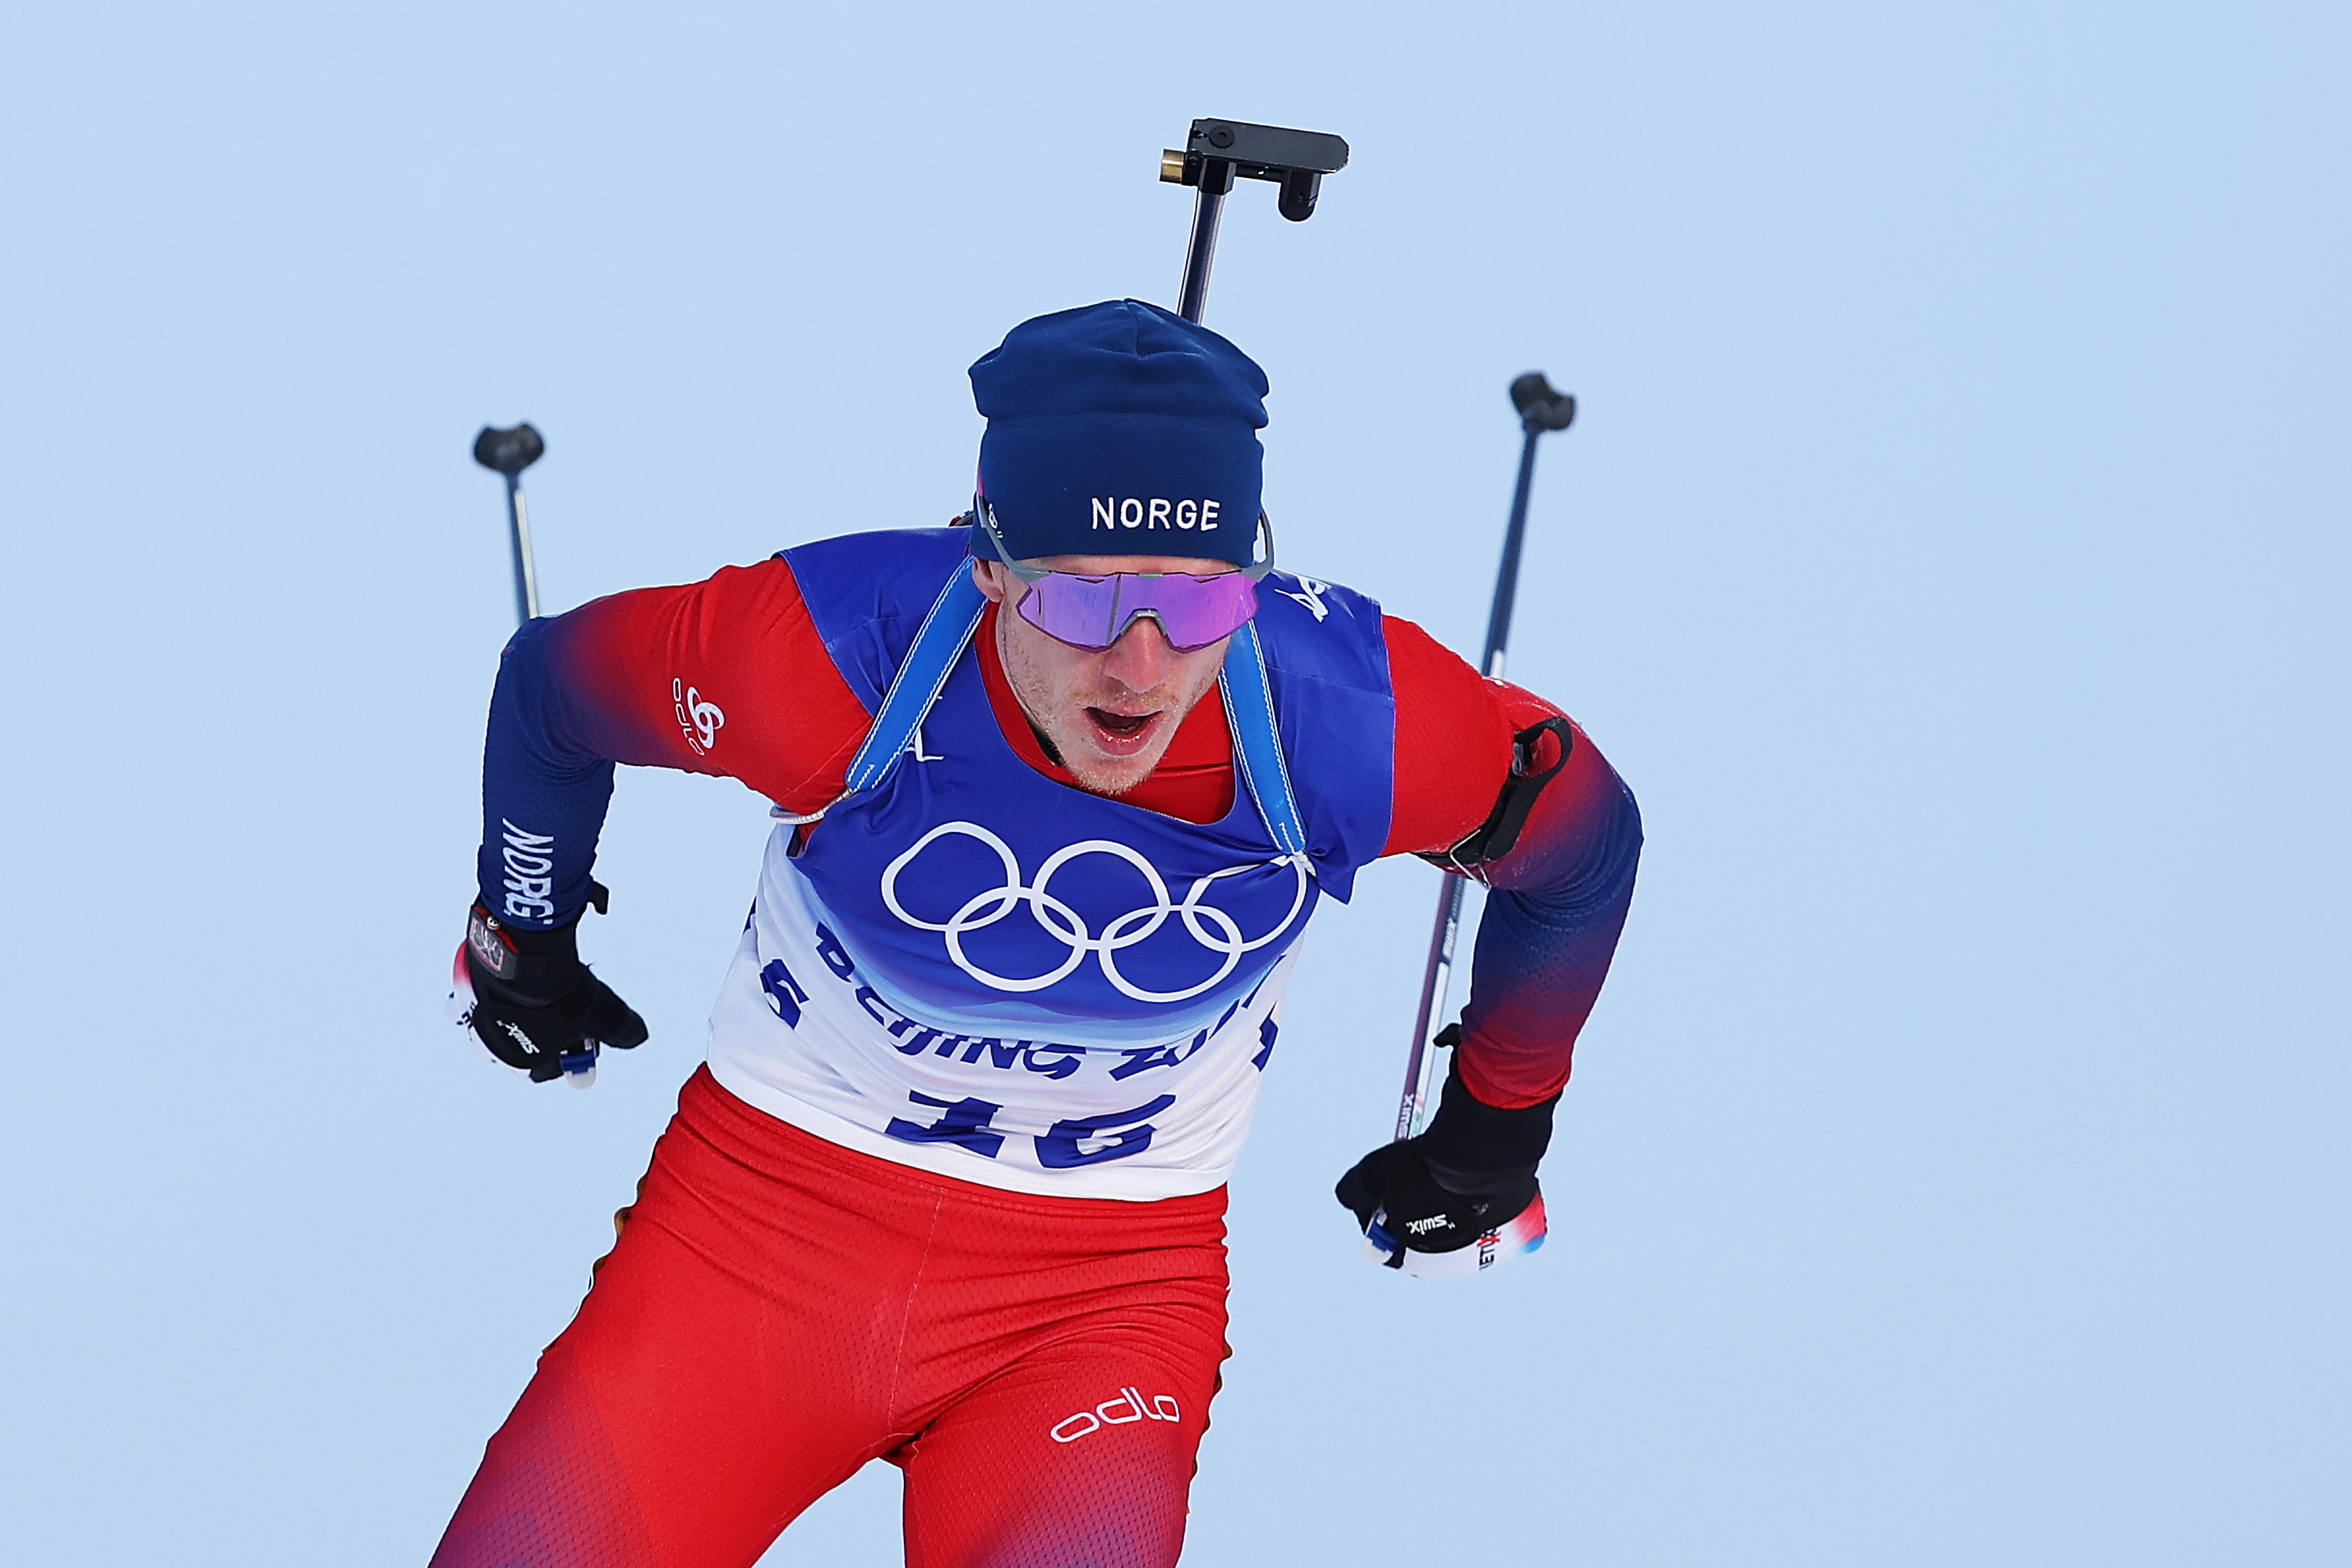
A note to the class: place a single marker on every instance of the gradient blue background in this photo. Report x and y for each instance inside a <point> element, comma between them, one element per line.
<point>1951,551</point>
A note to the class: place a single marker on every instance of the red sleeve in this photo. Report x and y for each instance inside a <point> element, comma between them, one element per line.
<point>727,676</point>
<point>1453,730</point>
<point>1556,902</point>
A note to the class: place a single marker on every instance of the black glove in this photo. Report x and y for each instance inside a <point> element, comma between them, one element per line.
<point>535,1004</point>
<point>1471,1172</point>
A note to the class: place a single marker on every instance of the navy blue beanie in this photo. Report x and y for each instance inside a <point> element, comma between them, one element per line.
<point>1120,429</point>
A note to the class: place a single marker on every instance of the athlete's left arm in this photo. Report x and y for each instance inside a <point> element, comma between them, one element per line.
<point>1559,892</point>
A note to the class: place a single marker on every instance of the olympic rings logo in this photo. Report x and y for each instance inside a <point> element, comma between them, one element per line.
<point>1210,926</point>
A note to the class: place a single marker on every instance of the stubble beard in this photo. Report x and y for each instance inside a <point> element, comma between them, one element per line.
<point>1063,729</point>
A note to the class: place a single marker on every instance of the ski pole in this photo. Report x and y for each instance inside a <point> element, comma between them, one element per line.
<point>510,452</point>
<point>1542,408</point>
<point>1220,150</point>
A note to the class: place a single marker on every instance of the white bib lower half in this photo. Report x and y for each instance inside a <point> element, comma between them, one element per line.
<point>800,1032</point>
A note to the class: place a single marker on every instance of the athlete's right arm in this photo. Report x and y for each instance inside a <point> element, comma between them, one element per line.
<point>727,675</point>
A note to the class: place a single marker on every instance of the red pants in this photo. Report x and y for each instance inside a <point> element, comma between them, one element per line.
<point>779,1310</point>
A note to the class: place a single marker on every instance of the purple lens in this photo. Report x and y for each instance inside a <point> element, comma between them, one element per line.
<point>1092,612</point>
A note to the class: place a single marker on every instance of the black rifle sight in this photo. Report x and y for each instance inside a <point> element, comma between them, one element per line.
<point>1218,150</point>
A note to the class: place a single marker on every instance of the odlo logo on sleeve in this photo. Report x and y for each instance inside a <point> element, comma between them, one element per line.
<point>700,721</point>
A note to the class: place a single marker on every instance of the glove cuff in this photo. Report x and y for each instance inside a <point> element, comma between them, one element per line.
<point>516,965</point>
<point>1474,1149</point>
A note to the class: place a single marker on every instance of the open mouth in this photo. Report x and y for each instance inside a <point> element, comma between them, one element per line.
<point>1122,734</point>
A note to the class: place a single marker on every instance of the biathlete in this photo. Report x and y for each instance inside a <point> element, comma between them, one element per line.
<point>1059,788</point>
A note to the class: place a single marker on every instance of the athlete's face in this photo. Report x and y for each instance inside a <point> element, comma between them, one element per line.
<point>1108,713</point>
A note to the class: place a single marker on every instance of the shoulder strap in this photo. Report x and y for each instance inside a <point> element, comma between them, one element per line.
<point>938,643</point>
<point>1257,744</point>
<point>955,614</point>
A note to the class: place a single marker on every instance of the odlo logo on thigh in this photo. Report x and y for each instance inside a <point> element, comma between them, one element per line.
<point>1123,1408</point>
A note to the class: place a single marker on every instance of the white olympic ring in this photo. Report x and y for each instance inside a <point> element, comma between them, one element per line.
<point>1212,927</point>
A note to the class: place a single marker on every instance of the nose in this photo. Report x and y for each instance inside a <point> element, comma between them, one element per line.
<point>1141,658</point>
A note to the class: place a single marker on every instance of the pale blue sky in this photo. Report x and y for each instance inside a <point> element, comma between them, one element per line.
<point>1951,552</point>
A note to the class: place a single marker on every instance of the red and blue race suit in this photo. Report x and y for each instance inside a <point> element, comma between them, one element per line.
<point>985,976</point>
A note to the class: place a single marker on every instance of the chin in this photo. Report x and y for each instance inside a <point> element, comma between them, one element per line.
<point>1100,774</point>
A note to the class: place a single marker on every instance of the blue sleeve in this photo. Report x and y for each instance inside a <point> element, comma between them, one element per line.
<point>1557,904</point>
<point>545,786</point>
<point>650,678</point>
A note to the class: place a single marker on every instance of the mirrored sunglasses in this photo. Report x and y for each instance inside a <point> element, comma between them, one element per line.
<point>1095,612</point>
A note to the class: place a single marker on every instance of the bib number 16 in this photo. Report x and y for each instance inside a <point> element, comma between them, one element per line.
<point>1074,1141</point>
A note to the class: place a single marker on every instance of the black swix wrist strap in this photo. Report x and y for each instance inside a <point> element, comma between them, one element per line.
<point>518,965</point>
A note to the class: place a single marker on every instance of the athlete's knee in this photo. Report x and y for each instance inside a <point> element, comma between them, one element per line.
<point>1130,1531</point>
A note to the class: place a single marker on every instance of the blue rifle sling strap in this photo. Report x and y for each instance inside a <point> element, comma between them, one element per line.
<point>1257,744</point>
<point>938,643</point>
<point>955,614</point>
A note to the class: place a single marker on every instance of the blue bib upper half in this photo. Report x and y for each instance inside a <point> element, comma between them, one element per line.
<point>974,887</point>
